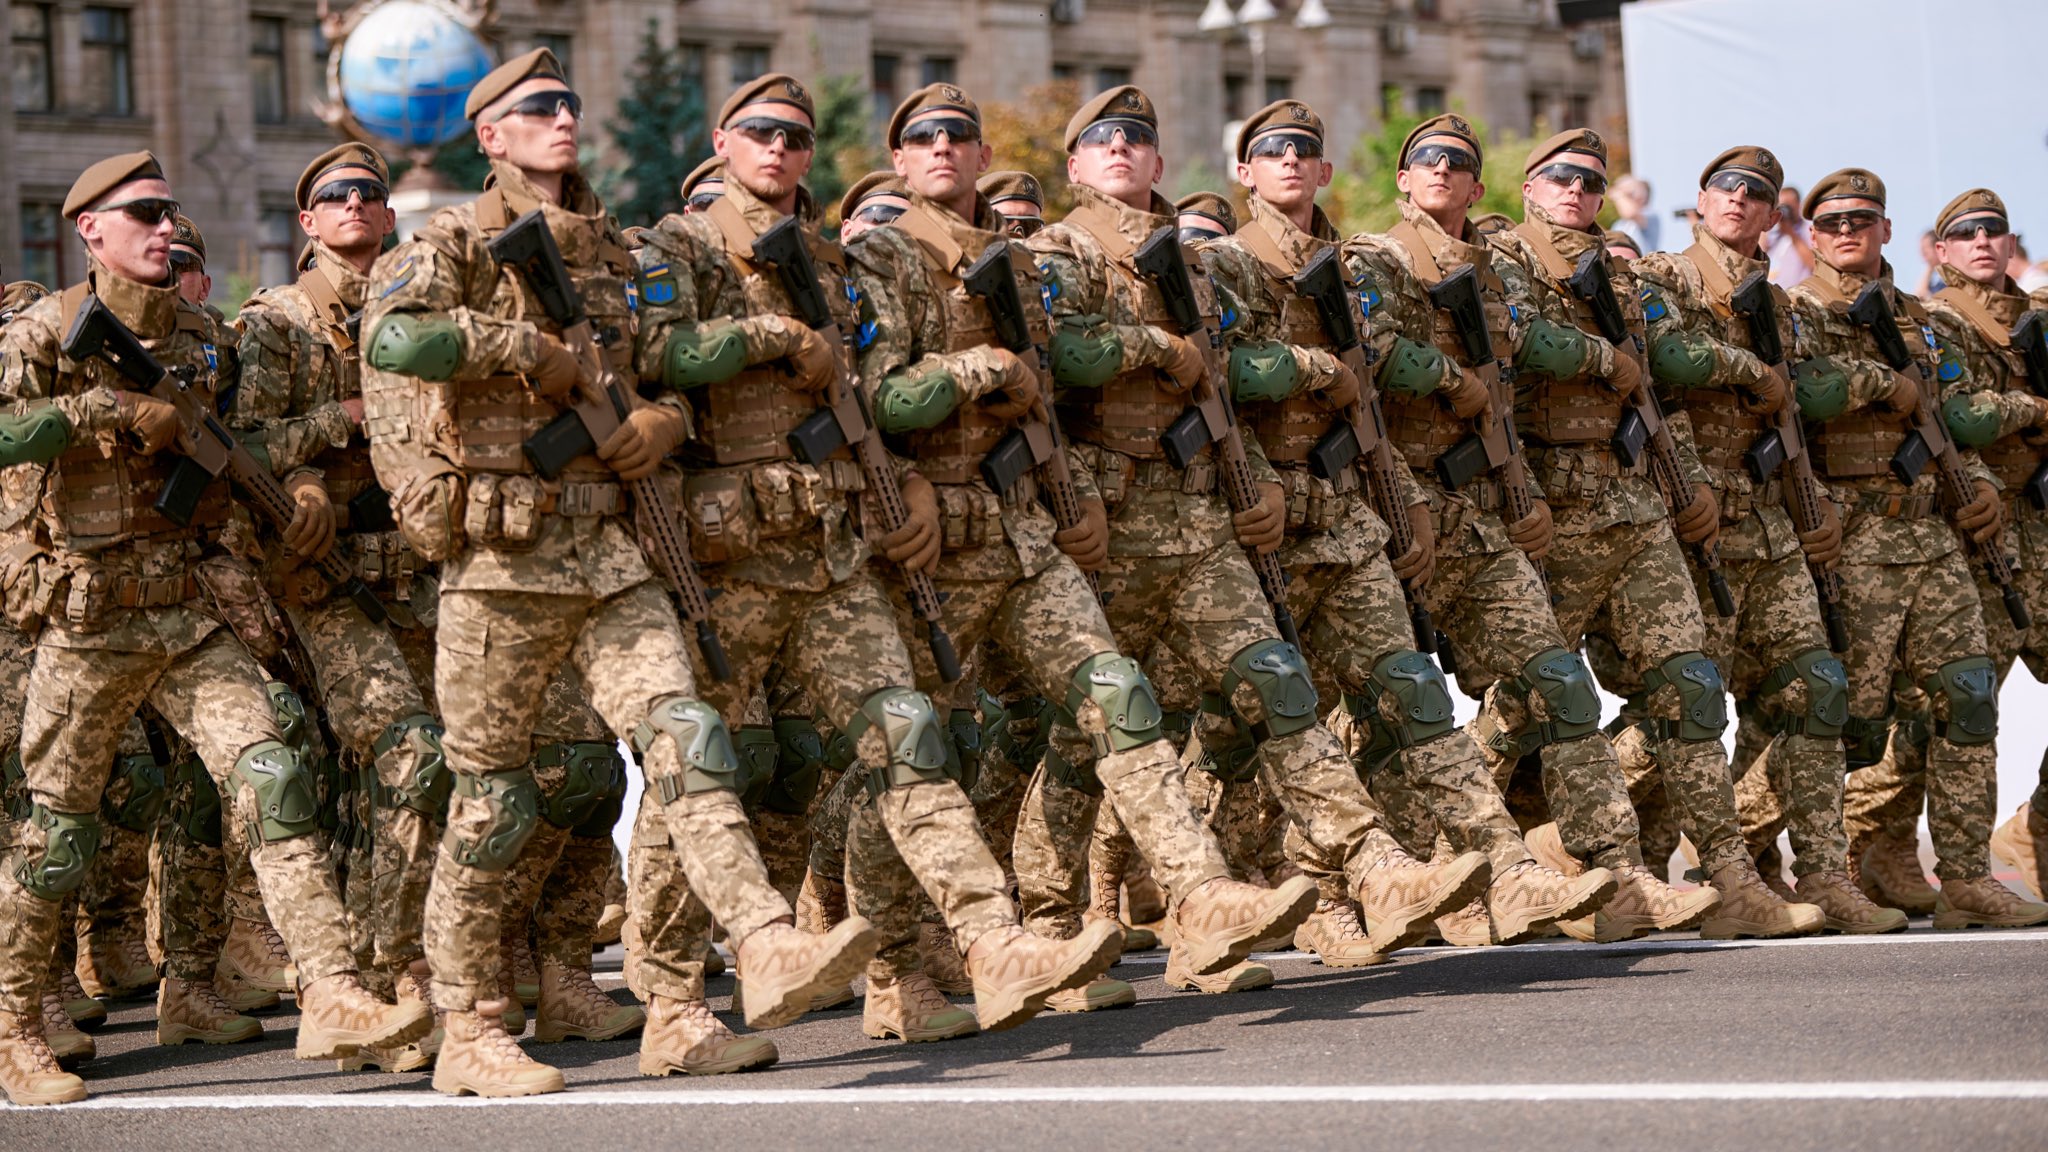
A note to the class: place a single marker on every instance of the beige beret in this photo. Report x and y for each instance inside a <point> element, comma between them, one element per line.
<point>95,182</point>
<point>350,155</point>
<point>931,98</point>
<point>1123,102</point>
<point>509,75</point>
<point>774,88</point>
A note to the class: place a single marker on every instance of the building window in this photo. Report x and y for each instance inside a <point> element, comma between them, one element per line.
<point>43,240</point>
<point>940,69</point>
<point>1429,9</point>
<point>748,61</point>
<point>30,32</point>
<point>278,240</point>
<point>564,47</point>
<point>1109,76</point>
<point>106,73</point>
<point>1064,73</point>
<point>883,87</point>
<point>1279,88</point>
<point>1234,86</point>
<point>1429,102</point>
<point>1578,110</point>
<point>266,70</point>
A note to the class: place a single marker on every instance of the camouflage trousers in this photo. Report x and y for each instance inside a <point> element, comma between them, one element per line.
<point>495,654</point>
<point>79,701</point>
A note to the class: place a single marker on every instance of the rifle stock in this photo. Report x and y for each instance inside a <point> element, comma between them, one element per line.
<point>1457,294</point>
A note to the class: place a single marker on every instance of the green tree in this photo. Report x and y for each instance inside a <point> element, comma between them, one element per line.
<point>659,131</point>
<point>1029,135</point>
<point>847,148</point>
<point>1363,197</point>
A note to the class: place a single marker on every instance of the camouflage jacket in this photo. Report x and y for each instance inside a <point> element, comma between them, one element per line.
<point>1086,285</point>
<point>16,297</point>
<point>1974,326</point>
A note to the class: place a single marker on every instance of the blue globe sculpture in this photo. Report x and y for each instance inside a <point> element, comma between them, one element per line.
<point>405,71</point>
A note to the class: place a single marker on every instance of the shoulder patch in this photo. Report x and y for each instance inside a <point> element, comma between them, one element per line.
<point>657,284</point>
<point>401,277</point>
<point>1949,368</point>
<point>1654,307</point>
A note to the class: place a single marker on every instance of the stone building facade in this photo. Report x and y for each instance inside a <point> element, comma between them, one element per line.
<point>224,90</point>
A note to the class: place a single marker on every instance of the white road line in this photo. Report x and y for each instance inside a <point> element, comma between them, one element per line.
<point>1676,944</point>
<point>1790,1091</point>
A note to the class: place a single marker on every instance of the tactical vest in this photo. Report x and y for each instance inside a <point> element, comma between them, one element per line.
<point>1290,428</point>
<point>2011,457</point>
<point>1129,414</point>
<point>345,470</point>
<point>951,451</point>
<point>748,419</point>
<point>1419,426</point>
<point>1863,442</point>
<point>1722,429</point>
<point>92,498</point>
<point>1582,409</point>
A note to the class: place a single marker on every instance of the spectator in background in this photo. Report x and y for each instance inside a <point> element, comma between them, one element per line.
<point>1930,274</point>
<point>1631,198</point>
<point>1786,244</point>
<point>2024,272</point>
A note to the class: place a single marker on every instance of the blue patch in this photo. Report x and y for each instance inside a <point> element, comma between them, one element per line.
<point>1514,314</point>
<point>404,277</point>
<point>662,291</point>
<point>1654,310</point>
<point>1927,334</point>
<point>1229,319</point>
<point>632,297</point>
<point>1949,369</point>
<point>1369,299</point>
<point>852,294</point>
<point>865,335</point>
<point>212,358</point>
<point>1050,289</point>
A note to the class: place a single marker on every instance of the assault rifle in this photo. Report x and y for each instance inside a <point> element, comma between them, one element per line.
<point>207,448</point>
<point>845,422</point>
<point>1642,423</point>
<point>1494,446</point>
<point>1929,441</point>
<point>600,404</point>
<point>1784,444</point>
<point>1210,419</point>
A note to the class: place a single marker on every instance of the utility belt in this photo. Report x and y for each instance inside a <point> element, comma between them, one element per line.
<point>732,510</point>
<point>1737,506</point>
<point>971,515</point>
<point>383,560</point>
<point>507,511</point>
<point>1578,473</point>
<point>1316,505</point>
<point>1118,474</point>
<point>1897,506</point>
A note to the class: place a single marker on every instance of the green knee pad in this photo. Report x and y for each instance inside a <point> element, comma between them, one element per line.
<point>1702,698</point>
<point>70,841</point>
<point>915,737</point>
<point>707,354</point>
<point>427,787</point>
<point>513,799</point>
<point>1263,370</point>
<point>800,760</point>
<point>1413,369</point>
<point>908,402</point>
<point>146,794</point>
<point>1821,388</point>
<point>1863,740</point>
<point>1086,352</point>
<point>963,745</point>
<point>287,798</point>
<point>703,747</point>
<point>1276,671</point>
<point>36,436</point>
<point>289,709</point>
<point>1827,695</point>
<point>1971,686</point>
<point>1120,688</point>
<point>754,744</point>
<point>1552,350</point>
<point>1418,687</point>
<point>1682,360</point>
<point>1566,686</point>
<point>198,812</point>
<point>1971,425</point>
<point>409,345</point>
<point>593,781</point>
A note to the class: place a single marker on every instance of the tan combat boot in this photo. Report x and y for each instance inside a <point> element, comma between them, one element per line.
<point>683,1036</point>
<point>1014,971</point>
<point>1218,924</point>
<point>1641,904</point>
<point>611,924</point>
<point>478,1058</point>
<point>1528,897</point>
<point>114,967</point>
<point>1336,938</point>
<point>254,967</point>
<point>942,959</point>
<point>913,1010</point>
<point>1094,996</point>
<point>1106,883</point>
<point>1144,899</point>
<point>70,1046</point>
<point>83,1010</point>
<point>1748,908</point>
<point>515,955</point>
<point>2018,841</point>
<point>1241,978</point>
<point>28,1069</point>
<point>337,1016</point>
<point>1846,907</point>
<point>1468,927</point>
<point>714,962</point>
<point>190,1010</point>
<point>787,970</point>
<point>514,1016</point>
<point>1402,896</point>
<point>1892,875</point>
<point>1982,902</point>
<point>409,1057</point>
<point>573,1007</point>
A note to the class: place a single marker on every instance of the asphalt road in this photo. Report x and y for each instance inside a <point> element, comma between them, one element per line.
<point>1922,1041</point>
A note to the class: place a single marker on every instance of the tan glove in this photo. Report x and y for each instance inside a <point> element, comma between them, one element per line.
<point>1700,519</point>
<point>915,545</point>
<point>647,434</point>
<point>557,371</point>
<point>1766,395</point>
<point>1981,518</point>
<point>311,532</point>
<point>1087,543</point>
<point>1419,564</point>
<point>1905,395</point>
<point>1185,361</point>
<point>1016,392</point>
<point>1823,545</point>
<point>154,422</point>
<point>1342,391</point>
<point>1465,393</point>
<point>812,356</point>
<point>1627,375</point>
<point>1533,533</point>
<point>1261,527</point>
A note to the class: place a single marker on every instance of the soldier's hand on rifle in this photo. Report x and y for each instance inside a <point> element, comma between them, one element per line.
<point>1981,518</point>
<point>1016,391</point>
<point>311,532</point>
<point>154,422</point>
<point>815,360</point>
<point>1262,526</point>
<point>1185,361</point>
<point>1342,390</point>
<point>1765,394</point>
<point>915,545</point>
<point>1087,543</point>
<point>554,375</point>
<point>1533,533</point>
<point>1700,519</point>
<point>1904,398</point>
<point>1823,545</point>
<point>1465,393</point>
<point>1419,564</point>
<point>354,407</point>
<point>647,434</point>
<point>1627,375</point>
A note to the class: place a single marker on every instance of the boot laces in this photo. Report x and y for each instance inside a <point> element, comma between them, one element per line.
<point>577,983</point>
<point>1340,920</point>
<point>272,943</point>
<point>209,998</point>
<point>28,1034</point>
<point>922,996</point>
<point>55,1019</point>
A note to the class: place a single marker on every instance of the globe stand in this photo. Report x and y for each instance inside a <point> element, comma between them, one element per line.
<point>421,192</point>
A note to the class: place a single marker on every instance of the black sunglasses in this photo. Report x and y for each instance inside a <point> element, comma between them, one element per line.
<point>1744,184</point>
<point>958,129</point>
<point>144,210</point>
<point>1563,174</point>
<point>1022,226</point>
<point>1430,155</point>
<point>1137,133</point>
<point>763,130</point>
<point>703,200</point>
<point>373,191</point>
<point>547,104</point>
<point>878,213</point>
<point>1846,222</point>
<point>183,262</point>
<point>1968,227</point>
<point>1276,144</point>
<point>1190,235</point>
